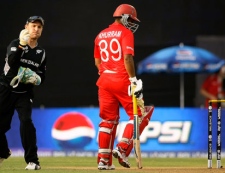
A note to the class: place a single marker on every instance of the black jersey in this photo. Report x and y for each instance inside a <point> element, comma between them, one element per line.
<point>33,58</point>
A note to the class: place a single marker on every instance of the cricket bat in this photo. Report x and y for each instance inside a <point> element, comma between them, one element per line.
<point>136,135</point>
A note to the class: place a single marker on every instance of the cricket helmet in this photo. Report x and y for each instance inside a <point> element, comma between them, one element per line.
<point>126,11</point>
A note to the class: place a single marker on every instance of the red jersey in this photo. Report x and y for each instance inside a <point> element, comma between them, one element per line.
<point>111,45</point>
<point>214,86</point>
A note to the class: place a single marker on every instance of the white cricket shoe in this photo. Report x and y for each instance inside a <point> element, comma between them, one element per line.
<point>104,166</point>
<point>33,166</point>
<point>112,167</point>
<point>121,156</point>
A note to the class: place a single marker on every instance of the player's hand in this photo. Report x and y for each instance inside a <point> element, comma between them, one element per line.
<point>36,80</point>
<point>137,87</point>
<point>31,77</point>
<point>24,37</point>
<point>133,80</point>
<point>138,90</point>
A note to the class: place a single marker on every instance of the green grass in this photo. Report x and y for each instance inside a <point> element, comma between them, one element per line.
<point>89,165</point>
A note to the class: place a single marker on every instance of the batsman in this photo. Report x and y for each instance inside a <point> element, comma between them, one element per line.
<point>114,59</point>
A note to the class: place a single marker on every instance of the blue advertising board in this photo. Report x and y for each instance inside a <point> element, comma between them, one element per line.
<point>171,130</point>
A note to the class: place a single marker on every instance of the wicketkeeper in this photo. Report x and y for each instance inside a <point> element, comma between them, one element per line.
<point>25,67</point>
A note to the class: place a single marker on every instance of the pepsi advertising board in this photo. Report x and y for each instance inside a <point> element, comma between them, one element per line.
<point>171,131</point>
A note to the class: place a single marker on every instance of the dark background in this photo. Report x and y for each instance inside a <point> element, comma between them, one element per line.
<point>70,30</point>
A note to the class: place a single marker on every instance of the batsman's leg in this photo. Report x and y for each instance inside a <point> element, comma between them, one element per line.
<point>107,130</point>
<point>122,146</point>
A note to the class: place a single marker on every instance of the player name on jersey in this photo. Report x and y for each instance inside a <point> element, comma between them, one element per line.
<point>110,34</point>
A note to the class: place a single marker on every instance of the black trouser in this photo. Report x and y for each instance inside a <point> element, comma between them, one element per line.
<point>22,103</point>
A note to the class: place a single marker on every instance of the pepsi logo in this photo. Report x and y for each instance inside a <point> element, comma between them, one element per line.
<point>73,130</point>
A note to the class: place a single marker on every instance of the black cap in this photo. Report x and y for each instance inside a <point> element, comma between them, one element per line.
<point>35,18</point>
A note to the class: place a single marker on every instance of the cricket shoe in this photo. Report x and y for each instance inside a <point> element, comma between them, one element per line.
<point>112,167</point>
<point>121,156</point>
<point>33,166</point>
<point>104,166</point>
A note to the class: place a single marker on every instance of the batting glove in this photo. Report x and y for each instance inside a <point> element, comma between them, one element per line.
<point>24,37</point>
<point>137,87</point>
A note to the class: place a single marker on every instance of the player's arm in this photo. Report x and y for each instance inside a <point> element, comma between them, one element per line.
<point>206,94</point>
<point>97,62</point>
<point>36,76</point>
<point>97,55</point>
<point>129,65</point>
<point>14,53</point>
<point>16,47</point>
<point>127,45</point>
<point>204,89</point>
<point>42,68</point>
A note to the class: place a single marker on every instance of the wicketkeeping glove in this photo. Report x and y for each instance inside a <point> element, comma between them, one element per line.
<point>24,37</point>
<point>31,77</point>
<point>16,80</point>
<point>25,75</point>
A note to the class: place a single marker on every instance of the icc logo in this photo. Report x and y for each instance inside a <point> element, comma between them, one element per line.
<point>73,130</point>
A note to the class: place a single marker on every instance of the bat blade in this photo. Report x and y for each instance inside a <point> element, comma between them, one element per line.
<point>136,135</point>
<point>136,141</point>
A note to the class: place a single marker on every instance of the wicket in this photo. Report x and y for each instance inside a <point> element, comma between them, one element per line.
<point>218,143</point>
